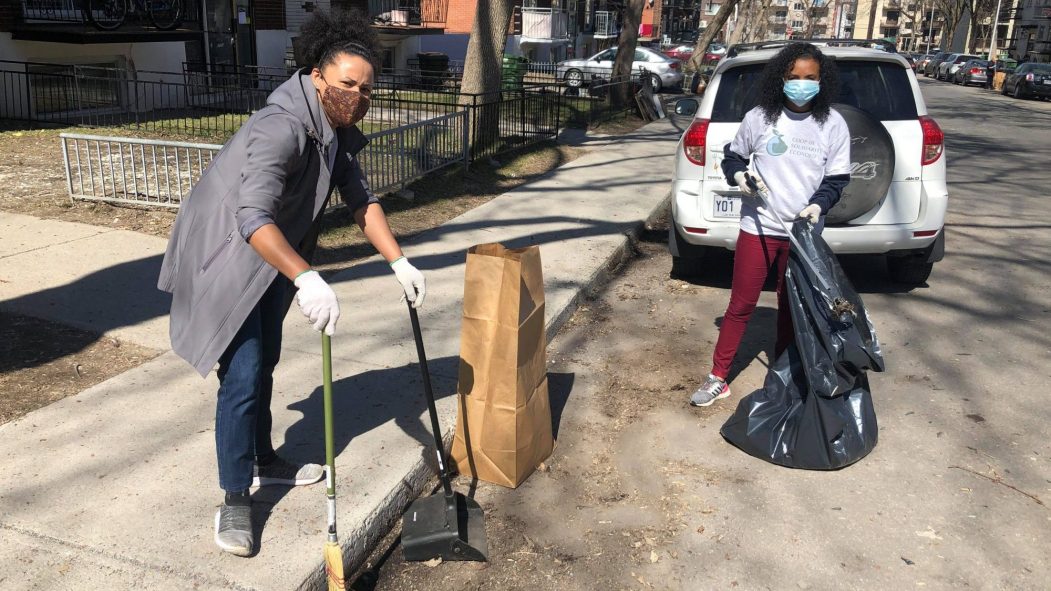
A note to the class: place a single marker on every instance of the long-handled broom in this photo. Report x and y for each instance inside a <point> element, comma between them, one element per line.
<point>333,553</point>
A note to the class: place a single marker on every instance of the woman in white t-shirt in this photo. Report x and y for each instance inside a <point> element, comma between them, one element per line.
<point>799,149</point>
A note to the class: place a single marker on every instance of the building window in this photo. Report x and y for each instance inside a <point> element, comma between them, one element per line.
<point>797,24</point>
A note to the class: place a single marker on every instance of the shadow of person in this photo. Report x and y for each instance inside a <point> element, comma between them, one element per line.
<point>759,336</point>
<point>360,403</point>
<point>115,297</point>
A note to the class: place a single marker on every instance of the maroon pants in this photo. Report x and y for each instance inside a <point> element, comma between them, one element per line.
<point>753,260</point>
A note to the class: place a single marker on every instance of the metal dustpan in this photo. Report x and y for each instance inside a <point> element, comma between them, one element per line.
<point>446,525</point>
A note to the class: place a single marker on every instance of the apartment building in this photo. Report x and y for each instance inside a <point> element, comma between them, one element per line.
<point>1031,31</point>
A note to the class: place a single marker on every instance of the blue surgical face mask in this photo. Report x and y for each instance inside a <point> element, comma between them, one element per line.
<point>801,92</point>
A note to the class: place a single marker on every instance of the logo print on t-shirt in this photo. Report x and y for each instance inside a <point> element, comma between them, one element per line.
<point>776,146</point>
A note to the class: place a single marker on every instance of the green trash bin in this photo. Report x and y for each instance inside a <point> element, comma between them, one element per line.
<point>513,71</point>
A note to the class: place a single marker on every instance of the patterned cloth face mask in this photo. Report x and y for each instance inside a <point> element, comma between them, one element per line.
<point>344,107</point>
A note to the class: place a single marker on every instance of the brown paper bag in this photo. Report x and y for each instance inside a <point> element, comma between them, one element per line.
<point>503,425</point>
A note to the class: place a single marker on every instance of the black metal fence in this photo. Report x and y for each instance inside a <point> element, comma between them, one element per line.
<point>76,11</point>
<point>214,102</point>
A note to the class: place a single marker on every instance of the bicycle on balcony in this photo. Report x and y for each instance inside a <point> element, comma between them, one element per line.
<point>109,15</point>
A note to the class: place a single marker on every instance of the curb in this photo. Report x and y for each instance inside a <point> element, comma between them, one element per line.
<point>382,520</point>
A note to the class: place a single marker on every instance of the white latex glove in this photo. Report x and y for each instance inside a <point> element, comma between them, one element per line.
<point>741,178</point>
<point>411,281</point>
<point>317,301</point>
<point>811,212</point>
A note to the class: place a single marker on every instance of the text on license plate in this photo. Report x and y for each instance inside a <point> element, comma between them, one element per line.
<point>725,206</point>
<point>1047,81</point>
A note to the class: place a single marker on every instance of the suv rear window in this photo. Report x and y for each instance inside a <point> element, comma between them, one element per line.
<point>880,88</point>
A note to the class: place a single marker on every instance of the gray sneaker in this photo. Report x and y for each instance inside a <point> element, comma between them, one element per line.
<point>283,472</point>
<point>713,389</point>
<point>233,529</point>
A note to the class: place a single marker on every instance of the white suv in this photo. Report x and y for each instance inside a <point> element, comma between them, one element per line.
<point>896,201</point>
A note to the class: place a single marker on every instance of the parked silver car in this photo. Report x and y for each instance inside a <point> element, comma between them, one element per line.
<point>972,72</point>
<point>664,71</point>
<point>947,69</point>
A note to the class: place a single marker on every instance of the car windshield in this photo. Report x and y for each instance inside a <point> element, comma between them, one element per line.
<point>880,88</point>
<point>1041,68</point>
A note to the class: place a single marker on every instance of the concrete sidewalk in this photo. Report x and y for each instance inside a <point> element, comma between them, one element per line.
<point>116,488</point>
<point>89,277</point>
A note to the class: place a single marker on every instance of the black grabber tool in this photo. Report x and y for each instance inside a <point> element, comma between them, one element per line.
<point>446,525</point>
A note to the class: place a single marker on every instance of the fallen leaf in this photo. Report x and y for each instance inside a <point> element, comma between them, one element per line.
<point>930,534</point>
<point>907,561</point>
<point>433,562</point>
<point>653,556</point>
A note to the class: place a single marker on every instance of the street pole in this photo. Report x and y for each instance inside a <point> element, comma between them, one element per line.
<point>930,28</point>
<point>993,54</point>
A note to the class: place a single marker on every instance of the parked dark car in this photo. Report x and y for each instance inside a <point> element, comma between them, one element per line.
<point>922,60</point>
<point>1029,81</point>
<point>972,72</point>
<point>932,66</point>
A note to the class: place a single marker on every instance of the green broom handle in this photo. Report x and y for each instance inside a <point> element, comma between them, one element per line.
<point>330,439</point>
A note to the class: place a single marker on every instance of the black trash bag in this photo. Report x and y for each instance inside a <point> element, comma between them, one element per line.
<point>815,409</point>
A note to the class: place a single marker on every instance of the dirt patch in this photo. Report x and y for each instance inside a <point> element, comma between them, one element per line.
<point>42,362</point>
<point>438,198</point>
<point>610,509</point>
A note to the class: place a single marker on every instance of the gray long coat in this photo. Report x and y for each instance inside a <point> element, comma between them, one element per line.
<point>274,170</point>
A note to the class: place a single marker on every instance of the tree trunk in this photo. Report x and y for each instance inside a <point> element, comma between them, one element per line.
<point>710,32</point>
<point>622,88</point>
<point>480,87</point>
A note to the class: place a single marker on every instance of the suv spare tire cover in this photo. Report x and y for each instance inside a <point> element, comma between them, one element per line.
<point>871,165</point>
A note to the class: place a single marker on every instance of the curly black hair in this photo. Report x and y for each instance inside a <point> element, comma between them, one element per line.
<point>326,34</point>
<point>771,83</point>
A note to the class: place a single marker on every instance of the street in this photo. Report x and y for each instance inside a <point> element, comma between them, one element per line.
<point>642,492</point>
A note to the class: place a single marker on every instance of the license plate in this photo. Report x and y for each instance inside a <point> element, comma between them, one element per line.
<point>1047,81</point>
<point>726,207</point>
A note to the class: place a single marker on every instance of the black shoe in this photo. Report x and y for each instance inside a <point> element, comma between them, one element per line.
<point>282,472</point>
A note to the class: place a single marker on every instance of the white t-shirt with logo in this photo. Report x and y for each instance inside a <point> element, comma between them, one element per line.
<point>792,156</point>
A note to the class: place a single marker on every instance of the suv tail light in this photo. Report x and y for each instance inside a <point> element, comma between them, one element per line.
<point>696,141</point>
<point>933,141</point>
<point>976,70</point>
<point>674,65</point>
<point>1029,76</point>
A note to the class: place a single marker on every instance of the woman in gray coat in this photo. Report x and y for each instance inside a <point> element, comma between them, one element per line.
<point>245,234</point>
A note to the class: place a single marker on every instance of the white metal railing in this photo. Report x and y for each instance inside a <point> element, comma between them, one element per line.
<point>544,23</point>
<point>159,173</point>
<point>130,170</point>
<point>605,24</point>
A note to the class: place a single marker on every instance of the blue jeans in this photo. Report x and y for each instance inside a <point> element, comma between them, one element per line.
<point>242,411</point>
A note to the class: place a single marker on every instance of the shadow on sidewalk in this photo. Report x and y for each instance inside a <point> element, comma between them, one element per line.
<point>111,298</point>
<point>367,401</point>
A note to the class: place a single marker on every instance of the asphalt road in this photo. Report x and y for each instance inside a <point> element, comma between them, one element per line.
<point>642,492</point>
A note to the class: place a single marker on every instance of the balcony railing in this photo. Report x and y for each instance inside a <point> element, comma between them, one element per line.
<point>38,12</point>
<point>424,14</point>
<point>606,24</point>
<point>890,23</point>
<point>63,11</point>
<point>544,24</point>
<point>778,20</point>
